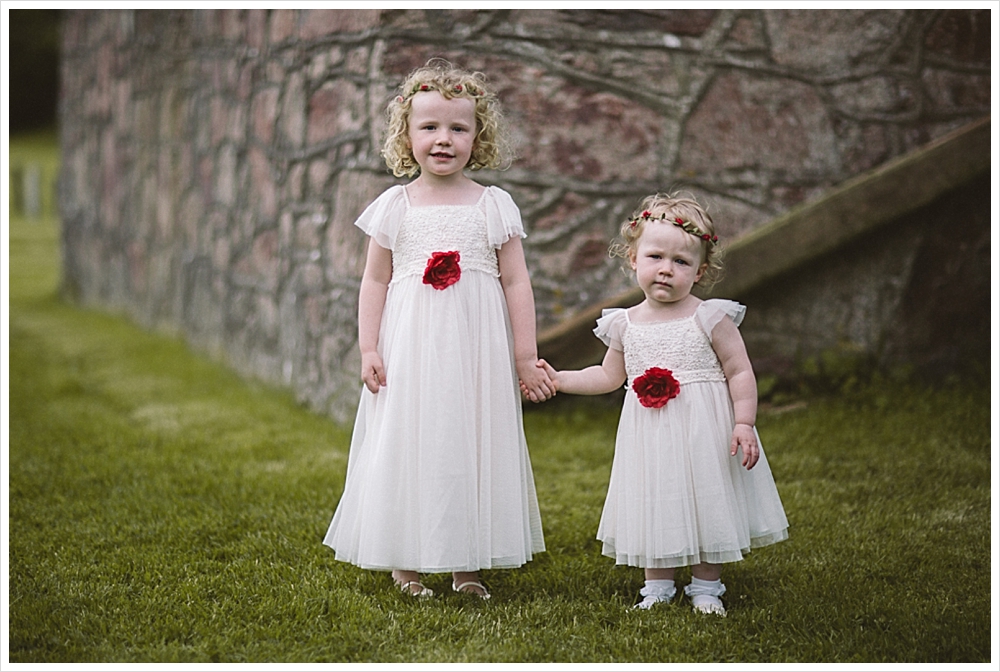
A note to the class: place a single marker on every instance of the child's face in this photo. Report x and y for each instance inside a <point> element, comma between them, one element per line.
<point>667,262</point>
<point>442,133</point>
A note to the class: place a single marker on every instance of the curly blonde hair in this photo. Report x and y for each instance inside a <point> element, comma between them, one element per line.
<point>673,206</point>
<point>491,148</point>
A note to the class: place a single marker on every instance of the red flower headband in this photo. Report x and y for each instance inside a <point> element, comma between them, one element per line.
<point>458,89</point>
<point>677,221</point>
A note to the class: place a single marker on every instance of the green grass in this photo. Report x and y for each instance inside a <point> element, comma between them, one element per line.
<point>161,509</point>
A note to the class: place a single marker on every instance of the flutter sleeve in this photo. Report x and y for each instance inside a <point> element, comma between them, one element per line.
<point>611,327</point>
<point>381,219</point>
<point>503,218</point>
<point>713,311</point>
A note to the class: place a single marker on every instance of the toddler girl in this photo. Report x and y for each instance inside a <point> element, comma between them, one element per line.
<point>689,483</point>
<point>438,477</point>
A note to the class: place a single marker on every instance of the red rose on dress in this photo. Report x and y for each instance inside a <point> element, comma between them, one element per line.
<point>442,270</point>
<point>656,387</point>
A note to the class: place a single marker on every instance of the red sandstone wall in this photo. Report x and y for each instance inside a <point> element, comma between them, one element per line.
<point>214,160</point>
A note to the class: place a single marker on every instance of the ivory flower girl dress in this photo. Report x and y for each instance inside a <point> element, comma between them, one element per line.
<point>438,477</point>
<point>676,496</point>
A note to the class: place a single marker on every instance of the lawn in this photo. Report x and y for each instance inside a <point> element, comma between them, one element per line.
<point>163,509</point>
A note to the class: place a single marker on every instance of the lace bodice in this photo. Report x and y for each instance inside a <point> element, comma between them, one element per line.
<point>684,345</point>
<point>414,233</point>
<point>443,228</point>
<point>678,345</point>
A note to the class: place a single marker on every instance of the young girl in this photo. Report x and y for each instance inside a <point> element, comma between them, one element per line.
<point>438,477</point>
<point>689,483</point>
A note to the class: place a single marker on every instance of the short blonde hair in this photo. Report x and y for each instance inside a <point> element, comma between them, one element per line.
<point>673,206</point>
<point>491,148</point>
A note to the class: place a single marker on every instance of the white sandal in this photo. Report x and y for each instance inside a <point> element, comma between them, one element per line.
<point>475,584</point>
<point>423,592</point>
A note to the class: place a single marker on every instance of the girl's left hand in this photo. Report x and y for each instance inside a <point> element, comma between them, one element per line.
<point>745,437</point>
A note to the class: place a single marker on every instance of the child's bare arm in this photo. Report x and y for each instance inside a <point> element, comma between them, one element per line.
<point>521,307</point>
<point>736,365</point>
<point>371,301</point>
<point>605,377</point>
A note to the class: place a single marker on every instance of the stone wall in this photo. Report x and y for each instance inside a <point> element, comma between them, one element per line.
<point>214,160</point>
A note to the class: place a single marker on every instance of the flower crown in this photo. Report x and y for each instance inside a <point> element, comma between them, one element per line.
<point>676,221</point>
<point>458,89</point>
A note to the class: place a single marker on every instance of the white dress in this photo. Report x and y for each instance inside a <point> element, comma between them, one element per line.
<point>676,496</point>
<point>438,477</point>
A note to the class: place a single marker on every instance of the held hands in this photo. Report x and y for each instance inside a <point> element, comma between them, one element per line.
<point>743,435</point>
<point>372,371</point>
<point>535,382</point>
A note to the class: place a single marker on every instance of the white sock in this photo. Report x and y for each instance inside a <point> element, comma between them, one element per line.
<point>656,590</point>
<point>660,586</point>
<point>702,587</point>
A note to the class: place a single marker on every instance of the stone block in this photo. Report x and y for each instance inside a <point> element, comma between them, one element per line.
<point>256,29</point>
<point>264,114</point>
<point>284,24</point>
<point>231,24</point>
<point>244,86</point>
<point>877,98</point>
<point>293,110</point>
<point>260,267</point>
<point>225,179</point>
<point>320,22</point>
<point>839,41</point>
<point>268,322</point>
<point>950,93</point>
<point>319,174</point>
<point>962,35</point>
<point>862,145</point>
<point>599,136</point>
<point>746,122</point>
<point>262,185</point>
<point>747,35</point>
<point>219,119</point>
<point>335,108</point>
<point>310,278</point>
<point>309,231</point>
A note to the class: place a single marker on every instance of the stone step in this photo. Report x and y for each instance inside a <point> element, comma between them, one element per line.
<point>856,208</point>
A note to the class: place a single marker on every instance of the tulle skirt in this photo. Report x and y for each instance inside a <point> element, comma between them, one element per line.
<point>676,497</point>
<point>438,477</point>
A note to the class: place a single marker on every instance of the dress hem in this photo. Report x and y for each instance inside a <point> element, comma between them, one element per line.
<point>708,557</point>
<point>435,570</point>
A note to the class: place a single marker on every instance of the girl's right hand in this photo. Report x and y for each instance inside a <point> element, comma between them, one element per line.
<point>552,373</point>
<point>372,371</point>
<point>553,387</point>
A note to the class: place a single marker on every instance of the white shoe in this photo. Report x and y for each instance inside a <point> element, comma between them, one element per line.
<point>475,584</point>
<point>705,596</point>
<point>422,590</point>
<point>656,594</point>
<point>708,604</point>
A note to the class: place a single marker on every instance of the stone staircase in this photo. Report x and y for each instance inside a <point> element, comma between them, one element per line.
<point>775,253</point>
